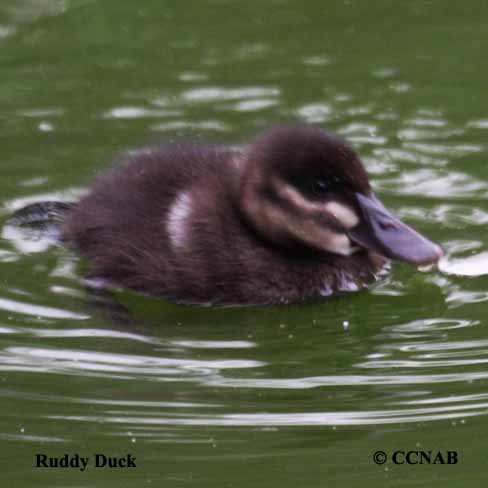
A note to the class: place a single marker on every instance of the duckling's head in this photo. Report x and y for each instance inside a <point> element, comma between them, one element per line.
<point>303,186</point>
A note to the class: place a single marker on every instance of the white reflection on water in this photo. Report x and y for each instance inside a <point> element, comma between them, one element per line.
<point>432,183</point>
<point>291,419</point>
<point>345,380</point>
<point>66,361</point>
<point>414,134</point>
<point>315,113</point>
<point>26,11</point>
<point>478,124</point>
<point>192,344</point>
<point>39,310</point>
<point>87,332</point>
<point>426,122</point>
<point>319,60</point>
<point>456,216</point>
<point>476,265</point>
<point>144,368</point>
<point>398,155</point>
<point>68,195</point>
<point>451,150</point>
<point>31,438</point>
<point>28,240</point>
<point>219,94</point>
<point>192,76</point>
<point>212,125</point>
<point>138,113</point>
<point>6,31</point>
<point>253,104</point>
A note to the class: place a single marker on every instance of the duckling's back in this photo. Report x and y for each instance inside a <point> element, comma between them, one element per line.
<point>133,223</point>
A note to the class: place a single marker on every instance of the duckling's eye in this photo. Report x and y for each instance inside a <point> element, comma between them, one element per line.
<point>320,188</point>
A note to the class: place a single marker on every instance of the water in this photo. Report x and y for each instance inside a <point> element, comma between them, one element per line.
<point>291,396</point>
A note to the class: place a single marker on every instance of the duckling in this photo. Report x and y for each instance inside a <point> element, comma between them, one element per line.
<point>291,217</point>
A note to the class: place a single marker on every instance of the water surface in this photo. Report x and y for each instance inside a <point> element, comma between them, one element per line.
<point>291,396</point>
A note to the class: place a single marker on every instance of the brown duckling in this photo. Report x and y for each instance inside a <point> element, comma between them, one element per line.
<point>291,217</point>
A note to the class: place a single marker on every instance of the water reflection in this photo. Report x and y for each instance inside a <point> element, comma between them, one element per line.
<point>274,353</point>
<point>412,349</point>
<point>115,365</point>
<point>413,355</point>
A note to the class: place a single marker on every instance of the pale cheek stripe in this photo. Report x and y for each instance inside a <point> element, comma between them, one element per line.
<point>339,244</point>
<point>344,214</point>
<point>177,224</point>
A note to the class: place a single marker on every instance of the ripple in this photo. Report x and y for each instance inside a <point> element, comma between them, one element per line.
<point>138,403</point>
<point>449,399</point>
<point>34,181</point>
<point>29,240</point>
<point>405,156</point>
<point>7,330</point>
<point>122,366</point>
<point>137,113</point>
<point>358,380</point>
<point>450,150</point>
<point>314,113</point>
<point>400,87</point>
<point>6,31</point>
<point>384,72</point>
<point>317,60</point>
<point>253,105</point>
<point>192,76</point>
<point>212,125</point>
<point>70,194</point>
<point>359,110</point>
<point>458,216</point>
<point>89,333</point>
<point>215,344</point>
<point>30,438</point>
<point>476,265</point>
<point>429,325</point>
<point>215,94</point>
<point>374,140</point>
<point>478,124</point>
<point>334,418</point>
<point>426,122</point>
<point>421,134</point>
<point>8,256</point>
<point>456,296</point>
<point>25,308</point>
<point>109,402</point>
<point>432,183</point>
<point>359,129</point>
<point>27,11</point>
<point>41,112</point>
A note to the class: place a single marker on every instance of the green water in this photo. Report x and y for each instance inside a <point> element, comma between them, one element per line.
<point>293,396</point>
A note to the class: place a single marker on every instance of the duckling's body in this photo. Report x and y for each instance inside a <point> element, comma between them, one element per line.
<point>210,225</point>
<point>168,223</point>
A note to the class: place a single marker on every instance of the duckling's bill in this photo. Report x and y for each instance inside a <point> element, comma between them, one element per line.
<point>383,233</point>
